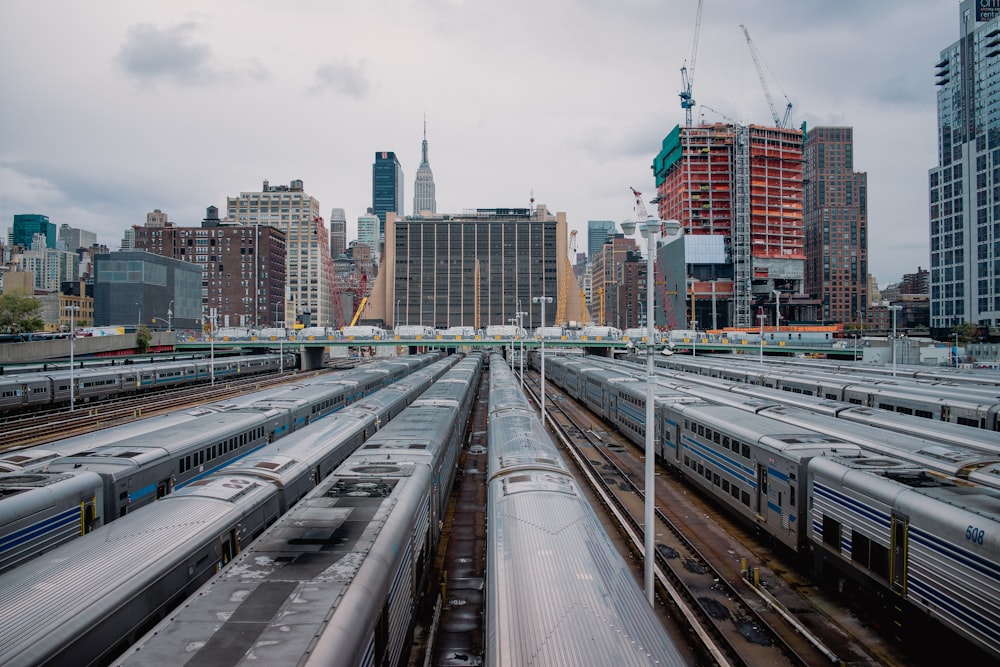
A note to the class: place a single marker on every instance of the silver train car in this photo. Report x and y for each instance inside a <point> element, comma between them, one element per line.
<point>557,590</point>
<point>966,405</point>
<point>174,553</point>
<point>349,560</point>
<point>900,542</point>
<point>52,388</point>
<point>148,459</point>
<point>85,602</point>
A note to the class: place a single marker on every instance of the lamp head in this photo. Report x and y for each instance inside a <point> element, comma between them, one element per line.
<point>628,227</point>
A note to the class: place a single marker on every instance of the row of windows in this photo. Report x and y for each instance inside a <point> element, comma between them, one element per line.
<point>196,459</point>
<point>718,438</point>
<point>731,488</point>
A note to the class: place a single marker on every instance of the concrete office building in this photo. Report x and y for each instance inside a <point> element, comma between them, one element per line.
<point>476,269</point>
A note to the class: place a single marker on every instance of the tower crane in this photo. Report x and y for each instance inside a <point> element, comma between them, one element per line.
<point>778,122</point>
<point>687,74</point>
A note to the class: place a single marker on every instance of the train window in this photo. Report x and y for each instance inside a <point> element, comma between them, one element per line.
<point>924,413</point>
<point>701,469</point>
<point>745,498</point>
<point>701,430</point>
<point>725,485</point>
<point>715,479</point>
<point>725,441</point>
<point>831,532</point>
<point>735,492</point>
<point>745,451</point>
<point>791,496</point>
<point>716,438</point>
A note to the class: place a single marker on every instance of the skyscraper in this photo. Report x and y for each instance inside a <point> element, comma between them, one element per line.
<point>598,231</point>
<point>368,232</point>
<point>835,225</point>
<point>338,232</point>
<point>964,202</point>
<point>26,225</point>
<point>423,185</point>
<point>387,187</point>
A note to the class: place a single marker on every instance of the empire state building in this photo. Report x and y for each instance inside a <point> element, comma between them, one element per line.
<point>423,186</point>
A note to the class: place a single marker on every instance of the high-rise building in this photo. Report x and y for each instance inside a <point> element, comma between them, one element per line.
<point>338,232</point>
<point>424,200</point>
<point>964,197</point>
<point>26,225</point>
<point>50,266</point>
<point>598,231</point>
<point>309,267</point>
<point>243,267</point>
<point>835,222</point>
<point>476,269</point>
<point>73,239</point>
<point>743,184</point>
<point>387,187</point>
<point>368,232</point>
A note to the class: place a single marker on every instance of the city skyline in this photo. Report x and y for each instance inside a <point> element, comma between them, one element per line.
<point>176,105</point>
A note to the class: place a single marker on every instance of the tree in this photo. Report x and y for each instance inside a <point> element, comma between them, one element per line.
<point>967,332</point>
<point>142,338</point>
<point>19,314</point>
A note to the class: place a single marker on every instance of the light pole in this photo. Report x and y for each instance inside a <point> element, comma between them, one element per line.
<point>170,315</point>
<point>520,333</point>
<point>395,322</point>
<point>542,300</point>
<point>211,324</point>
<point>72,340</point>
<point>648,229</point>
<point>777,310</point>
<point>894,310</point>
<point>138,316</point>
<point>694,339</point>
<point>760,318</point>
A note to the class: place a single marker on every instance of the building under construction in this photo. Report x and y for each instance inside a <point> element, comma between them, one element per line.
<point>737,192</point>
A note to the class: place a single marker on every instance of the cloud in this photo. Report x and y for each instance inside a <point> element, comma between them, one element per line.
<point>342,77</point>
<point>172,54</point>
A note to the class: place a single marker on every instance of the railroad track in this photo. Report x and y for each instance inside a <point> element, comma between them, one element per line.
<point>737,623</point>
<point>40,428</point>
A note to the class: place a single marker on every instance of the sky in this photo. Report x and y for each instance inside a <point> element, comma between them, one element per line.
<point>113,109</point>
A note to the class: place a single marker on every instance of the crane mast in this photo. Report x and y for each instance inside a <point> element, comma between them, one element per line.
<point>687,74</point>
<point>778,122</point>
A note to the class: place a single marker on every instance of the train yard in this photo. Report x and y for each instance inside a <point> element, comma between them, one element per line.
<point>732,587</point>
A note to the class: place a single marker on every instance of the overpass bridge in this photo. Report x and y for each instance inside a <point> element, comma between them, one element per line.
<point>311,350</point>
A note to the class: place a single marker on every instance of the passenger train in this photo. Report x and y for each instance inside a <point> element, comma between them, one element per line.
<point>87,601</point>
<point>937,557</point>
<point>337,580</point>
<point>67,488</point>
<point>979,408</point>
<point>557,590</point>
<point>52,388</point>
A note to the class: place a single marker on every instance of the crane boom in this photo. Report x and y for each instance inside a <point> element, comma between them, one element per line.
<point>778,122</point>
<point>687,74</point>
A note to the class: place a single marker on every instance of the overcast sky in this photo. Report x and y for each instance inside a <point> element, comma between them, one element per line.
<point>112,109</point>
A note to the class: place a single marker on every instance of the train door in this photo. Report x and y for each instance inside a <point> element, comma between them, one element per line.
<point>164,487</point>
<point>899,546</point>
<point>762,491</point>
<point>230,547</point>
<point>88,516</point>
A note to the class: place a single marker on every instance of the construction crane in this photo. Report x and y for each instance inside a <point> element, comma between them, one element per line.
<point>687,74</point>
<point>778,122</point>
